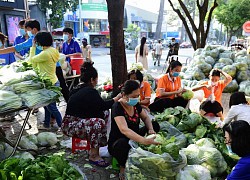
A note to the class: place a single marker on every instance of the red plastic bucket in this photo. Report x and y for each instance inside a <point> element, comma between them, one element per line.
<point>76,62</point>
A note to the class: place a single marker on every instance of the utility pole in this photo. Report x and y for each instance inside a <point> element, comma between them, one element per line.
<point>26,8</point>
<point>80,16</point>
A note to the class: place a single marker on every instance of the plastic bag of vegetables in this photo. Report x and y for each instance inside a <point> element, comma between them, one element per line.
<point>27,144</point>
<point>47,139</point>
<point>231,87</point>
<point>211,158</point>
<point>243,85</point>
<point>230,69</point>
<point>145,165</point>
<point>193,172</point>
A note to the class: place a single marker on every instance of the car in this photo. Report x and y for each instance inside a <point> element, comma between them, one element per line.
<point>185,45</point>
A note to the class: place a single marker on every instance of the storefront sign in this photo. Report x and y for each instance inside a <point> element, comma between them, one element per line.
<point>246,27</point>
<point>94,7</point>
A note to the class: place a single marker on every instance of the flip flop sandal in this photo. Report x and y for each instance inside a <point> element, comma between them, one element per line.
<point>100,163</point>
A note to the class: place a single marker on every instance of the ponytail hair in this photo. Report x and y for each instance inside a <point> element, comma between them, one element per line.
<point>143,41</point>
<point>88,72</point>
<point>173,64</point>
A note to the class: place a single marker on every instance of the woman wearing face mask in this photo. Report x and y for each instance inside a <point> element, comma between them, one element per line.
<point>125,120</point>
<point>45,62</point>
<point>5,59</point>
<point>86,114</point>
<point>213,92</point>
<point>237,135</point>
<point>169,90</point>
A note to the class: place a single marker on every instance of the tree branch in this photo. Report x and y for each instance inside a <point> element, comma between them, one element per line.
<point>198,4</point>
<point>185,24</point>
<point>188,15</point>
<point>210,17</point>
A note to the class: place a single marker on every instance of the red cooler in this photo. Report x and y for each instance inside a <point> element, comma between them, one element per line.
<point>76,62</point>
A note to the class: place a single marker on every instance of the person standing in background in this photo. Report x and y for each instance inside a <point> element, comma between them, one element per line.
<point>141,52</point>
<point>5,59</point>
<point>86,50</point>
<point>20,39</point>
<point>158,52</point>
<point>70,46</point>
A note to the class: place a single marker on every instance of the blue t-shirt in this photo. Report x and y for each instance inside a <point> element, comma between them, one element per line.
<point>71,48</point>
<point>26,45</point>
<point>8,58</point>
<point>19,40</point>
<point>241,170</point>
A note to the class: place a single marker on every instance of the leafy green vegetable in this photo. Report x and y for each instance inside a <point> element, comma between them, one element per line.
<point>188,95</point>
<point>200,131</point>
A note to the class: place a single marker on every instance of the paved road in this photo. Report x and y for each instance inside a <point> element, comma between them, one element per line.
<point>102,61</point>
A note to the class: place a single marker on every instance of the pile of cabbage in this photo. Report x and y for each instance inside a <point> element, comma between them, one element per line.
<point>235,64</point>
<point>29,142</point>
<point>21,85</point>
<point>203,144</point>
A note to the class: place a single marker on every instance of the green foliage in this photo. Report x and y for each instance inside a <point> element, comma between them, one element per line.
<point>134,31</point>
<point>58,8</point>
<point>233,14</point>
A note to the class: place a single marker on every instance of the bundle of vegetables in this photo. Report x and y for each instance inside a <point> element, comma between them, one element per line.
<point>235,64</point>
<point>9,101</point>
<point>136,66</point>
<point>193,172</point>
<point>43,168</point>
<point>39,97</point>
<point>26,86</point>
<point>146,165</point>
<point>207,156</point>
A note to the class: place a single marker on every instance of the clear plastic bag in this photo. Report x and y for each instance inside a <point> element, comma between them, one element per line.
<point>193,172</point>
<point>145,165</point>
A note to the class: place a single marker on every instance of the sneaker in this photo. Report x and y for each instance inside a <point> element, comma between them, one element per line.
<point>42,127</point>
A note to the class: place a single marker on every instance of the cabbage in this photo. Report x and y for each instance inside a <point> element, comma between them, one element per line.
<point>47,138</point>
<point>219,65</point>
<point>247,90</point>
<point>243,85</point>
<point>192,152</point>
<point>230,69</point>
<point>242,52</point>
<point>241,66</point>
<point>196,117</point>
<point>188,95</point>
<point>8,150</point>
<point>194,172</point>
<point>198,60</point>
<point>231,87</point>
<point>209,60</point>
<point>226,61</point>
<point>200,131</point>
<point>205,142</point>
<point>26,155</point>
<point>214,53</point>
<point>25,143</point>
<point>198,51</point>
<point>32,138</point>
<point>205,67</point>
<point>227,54</point>
<point>242,76</point>
<point>198,75</point>
<point>2,147</point>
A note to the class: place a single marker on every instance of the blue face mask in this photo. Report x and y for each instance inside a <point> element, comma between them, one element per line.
<point>175,74</point>
<point>65,37</point>
<point>132,101</point>
<point>22,32</point>
<point>229,149</point>
<point>39,47</point>
<point>1,44</point>
<point>29,34</point>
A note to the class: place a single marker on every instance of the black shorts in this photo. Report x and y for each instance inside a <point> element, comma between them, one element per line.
<point>210,107</point>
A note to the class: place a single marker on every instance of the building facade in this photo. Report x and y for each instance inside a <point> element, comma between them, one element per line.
<point>92,18</point>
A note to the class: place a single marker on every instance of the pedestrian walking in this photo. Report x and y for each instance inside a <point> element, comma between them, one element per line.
<point>158,52</point>
<point>141,52</point>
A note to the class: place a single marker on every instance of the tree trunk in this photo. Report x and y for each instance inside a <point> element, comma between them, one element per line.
<point>229,37</point>
<point>160,20</point>
<point>117,49</point>
<point>200,32</point>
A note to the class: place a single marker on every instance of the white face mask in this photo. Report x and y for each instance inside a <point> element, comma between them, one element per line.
<point>29,33</point>
<point>65,37</point>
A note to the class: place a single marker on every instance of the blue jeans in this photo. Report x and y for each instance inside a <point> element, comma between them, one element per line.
<point>51,109</point>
